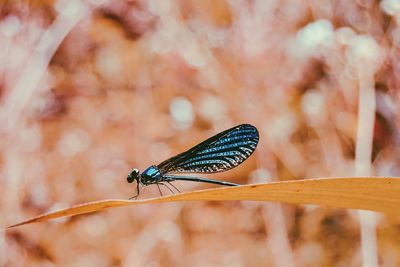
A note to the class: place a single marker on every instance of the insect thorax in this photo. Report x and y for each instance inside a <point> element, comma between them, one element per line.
<point>151,175</point>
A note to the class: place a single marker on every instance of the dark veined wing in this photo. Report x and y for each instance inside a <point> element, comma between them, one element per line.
<point>219,153</point>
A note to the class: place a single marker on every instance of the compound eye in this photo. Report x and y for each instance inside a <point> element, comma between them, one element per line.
<point>133,176</point>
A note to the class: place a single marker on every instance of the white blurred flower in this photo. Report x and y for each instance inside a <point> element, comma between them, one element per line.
<point>318,33</point>
<point>10,25</point>
<point>364,51</point>
<point>391,7</point>
<point>344,35</point>
<point>194,54</point>
<point>71,8</point>
<point>182,112</point>
<point>313,105</point>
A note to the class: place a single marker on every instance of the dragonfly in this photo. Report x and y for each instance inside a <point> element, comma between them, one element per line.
<point>221,152</point>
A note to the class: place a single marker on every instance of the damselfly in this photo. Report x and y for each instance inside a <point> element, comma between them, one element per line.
<point>219,153</point>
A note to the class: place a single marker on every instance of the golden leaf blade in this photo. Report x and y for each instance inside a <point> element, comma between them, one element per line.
<point>367,193</point>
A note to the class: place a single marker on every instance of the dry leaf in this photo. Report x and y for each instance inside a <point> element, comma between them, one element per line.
<point>367,193</point>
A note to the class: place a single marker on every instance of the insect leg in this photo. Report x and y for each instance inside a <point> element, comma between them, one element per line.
<point>159,190</point>
<point>174,186</point>
<point>137,192</point>
<point>167,188</point>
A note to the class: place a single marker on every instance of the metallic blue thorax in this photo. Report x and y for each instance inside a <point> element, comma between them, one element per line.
<point>151,175</point>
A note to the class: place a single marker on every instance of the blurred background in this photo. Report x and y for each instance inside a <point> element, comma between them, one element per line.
<point>92,89</point>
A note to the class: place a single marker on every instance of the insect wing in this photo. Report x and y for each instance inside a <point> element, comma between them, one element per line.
<point>219,153</point>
